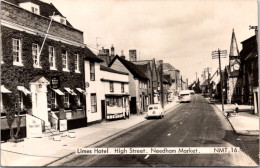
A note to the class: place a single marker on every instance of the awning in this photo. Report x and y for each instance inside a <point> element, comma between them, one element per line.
<point>81,90</point>
<point>24,90</point>
<point>58,92</point>
<point>116,95</point>
<point>4,90</point>
<point>70,91</point>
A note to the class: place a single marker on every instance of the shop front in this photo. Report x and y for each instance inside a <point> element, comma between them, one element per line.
<point>117,106</point>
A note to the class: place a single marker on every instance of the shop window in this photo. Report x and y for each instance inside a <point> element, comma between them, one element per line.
<point>93,103</point>
<point>66,100</point>
<point>111,85</point>
<point>122,88</point>
<point>92,71</point>
<point>20,104</point>
<point>65,61</point>
<point>35,55</point>
<point>77,63</point>
<point>78,100</point>
<point>53,100</point>
<point>17,52</point>
<point>52,58</point>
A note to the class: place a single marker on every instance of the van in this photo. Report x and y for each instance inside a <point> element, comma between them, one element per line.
<point>184,96</point>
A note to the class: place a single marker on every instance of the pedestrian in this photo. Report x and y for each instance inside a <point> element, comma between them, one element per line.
<point>236,109</point>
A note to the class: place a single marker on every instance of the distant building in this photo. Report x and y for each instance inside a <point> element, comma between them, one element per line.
<point>175,77</point>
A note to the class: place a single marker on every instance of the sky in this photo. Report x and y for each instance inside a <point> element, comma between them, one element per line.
<point>180,32</point>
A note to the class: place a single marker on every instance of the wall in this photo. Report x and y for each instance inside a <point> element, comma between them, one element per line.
<point>94,87</point>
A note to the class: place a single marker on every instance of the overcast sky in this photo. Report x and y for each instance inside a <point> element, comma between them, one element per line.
<point>182,33</point>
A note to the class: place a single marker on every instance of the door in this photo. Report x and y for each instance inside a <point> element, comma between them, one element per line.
<point>103,109</point>
<point>133,105</point>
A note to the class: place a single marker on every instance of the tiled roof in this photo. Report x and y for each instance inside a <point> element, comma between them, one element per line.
<point>46,9</point>
<point>136,72</point>
<point>89,55</point>
<point>103,68</point>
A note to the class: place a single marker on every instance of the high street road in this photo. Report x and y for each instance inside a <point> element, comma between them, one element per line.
<point>194,124</point>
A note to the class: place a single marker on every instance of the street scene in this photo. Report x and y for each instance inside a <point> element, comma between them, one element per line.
<point>129,83</point>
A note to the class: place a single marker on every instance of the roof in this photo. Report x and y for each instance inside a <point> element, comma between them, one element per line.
<point>135,71</point>
<point>89,55</point>
<point>233,46</point>
<point>46,9</point>
<point>249,48</point>
<point>104,68</point>
<point>167,66</point>
<point>143,67</point>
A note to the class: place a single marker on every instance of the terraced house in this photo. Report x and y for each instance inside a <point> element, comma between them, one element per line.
<point>42,68</point>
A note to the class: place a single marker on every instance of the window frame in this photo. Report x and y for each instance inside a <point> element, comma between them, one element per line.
<point>77,63</point>
<point>55,100</point>
<point>92,70</point>
<point>93,97</point>
<point>52,54</point>
<point>37,55</point>
<point>66,61</point>
<point>122,87</point>
<point>18,50</point>
<point>66,101</point>
<point>111,86</point>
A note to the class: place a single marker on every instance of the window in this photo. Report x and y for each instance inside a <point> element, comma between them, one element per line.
<point>122,88</point>
<point>111,85</point>
<point>93,103</point>
<point>35,55</point>
<point>77,63</point>
<point>66,100</point>
<point>53,100</point>
<point>78,101</point>
<point>20,101</point>
<point>64,61</point>
<point>52,58</point>
<point>92,71</point>
<point>17,54</point>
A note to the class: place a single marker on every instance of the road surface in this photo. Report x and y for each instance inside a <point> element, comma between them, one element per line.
<point>194,124</point>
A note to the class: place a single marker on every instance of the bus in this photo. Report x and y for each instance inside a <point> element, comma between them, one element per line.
<point>184,96</point>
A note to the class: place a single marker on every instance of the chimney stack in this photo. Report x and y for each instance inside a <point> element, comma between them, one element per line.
<point>112,51</point>
<point>132,55</point>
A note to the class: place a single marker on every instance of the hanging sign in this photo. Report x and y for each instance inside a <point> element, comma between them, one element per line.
<point>33,127</point>
<point>55,82</point>
<point>86,85</point>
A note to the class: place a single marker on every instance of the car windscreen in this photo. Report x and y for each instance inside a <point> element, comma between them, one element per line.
<point>155,107</point>
<point>150,108</point>
<point>185,94</point>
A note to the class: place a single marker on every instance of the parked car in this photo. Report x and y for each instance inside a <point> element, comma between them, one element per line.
<point>192,92</point>
<point>155,110</point>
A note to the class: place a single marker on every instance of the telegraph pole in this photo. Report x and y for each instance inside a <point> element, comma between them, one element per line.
<point>220,54</point>
<point>161,79</point>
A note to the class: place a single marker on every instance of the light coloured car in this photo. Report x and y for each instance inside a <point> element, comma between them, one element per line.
<point>155,110</point>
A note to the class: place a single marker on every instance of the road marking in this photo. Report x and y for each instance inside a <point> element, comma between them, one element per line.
<point>147,156</point>
<point>169,134</point>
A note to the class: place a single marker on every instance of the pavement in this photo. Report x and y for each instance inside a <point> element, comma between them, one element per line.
<point>42,151</point>
<point>245,123</point>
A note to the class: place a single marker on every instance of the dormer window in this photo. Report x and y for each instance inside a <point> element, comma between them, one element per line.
<point>59,19</point>
<point>34,8</point>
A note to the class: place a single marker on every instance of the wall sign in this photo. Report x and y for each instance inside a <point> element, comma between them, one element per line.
<point>33,127</point>
<point>55,82</point>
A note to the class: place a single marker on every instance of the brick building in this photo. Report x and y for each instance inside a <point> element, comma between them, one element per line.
<point>29,67</point>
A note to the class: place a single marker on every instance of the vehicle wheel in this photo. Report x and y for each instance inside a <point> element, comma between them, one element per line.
<point>161,116</point>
